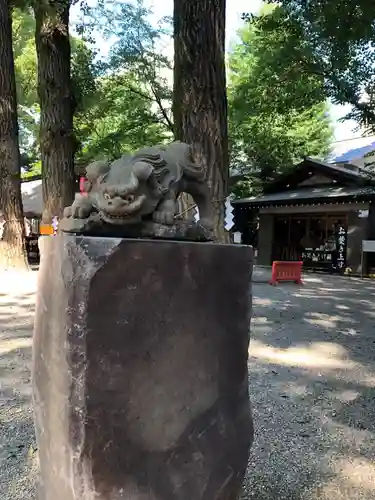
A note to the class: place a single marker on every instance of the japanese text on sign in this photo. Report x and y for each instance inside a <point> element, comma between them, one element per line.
<point>341,247</point>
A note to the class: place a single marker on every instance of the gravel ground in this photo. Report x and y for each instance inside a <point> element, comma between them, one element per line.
<point>18,461</point>
<point>312,383</point>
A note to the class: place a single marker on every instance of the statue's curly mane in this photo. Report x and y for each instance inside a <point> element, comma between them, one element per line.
<point>162,157</point>
<point>154,159</point>
<point>184,154</point>
<point>161,169</point>
<point>191,169</point>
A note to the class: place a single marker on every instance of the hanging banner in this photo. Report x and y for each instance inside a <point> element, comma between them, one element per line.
<point>341,247</point>
<point>2,227</point>
<point>229,217</point>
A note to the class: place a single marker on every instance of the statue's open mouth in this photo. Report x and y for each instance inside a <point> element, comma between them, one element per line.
<point>120,219</point>
<point>126,214</point>
<point>113,216</point>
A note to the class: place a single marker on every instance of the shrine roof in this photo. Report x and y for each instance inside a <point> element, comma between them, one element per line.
<point>308,195</point>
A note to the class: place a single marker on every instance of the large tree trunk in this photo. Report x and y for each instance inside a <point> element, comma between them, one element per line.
<point>199,98</point>
<point>12,244</point>
<point>57,142</point>
<point>186,207</point>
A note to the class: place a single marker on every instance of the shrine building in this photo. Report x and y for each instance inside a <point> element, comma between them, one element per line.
<point>318,213</point>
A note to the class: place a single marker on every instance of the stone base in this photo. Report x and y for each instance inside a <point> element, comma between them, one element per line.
<point>140,369</point>
<point>95,226</point>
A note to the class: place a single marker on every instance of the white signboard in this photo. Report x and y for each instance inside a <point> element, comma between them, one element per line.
<point>237,237</point>
<point>368,246</point>
<point>363,214</point>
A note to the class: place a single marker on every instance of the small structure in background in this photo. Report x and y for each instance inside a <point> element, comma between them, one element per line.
<point>368,246</point>
<point>286,271</point>
<point>318,213</point>
<point>358,152</point>
<point>32,200</point>
<point>237,237</point>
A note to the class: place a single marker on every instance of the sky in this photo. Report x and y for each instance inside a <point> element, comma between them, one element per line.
<point>235,8</point>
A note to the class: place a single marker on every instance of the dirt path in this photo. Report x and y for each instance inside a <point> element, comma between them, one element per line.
<point>18,464</point>
<point>312,383</point>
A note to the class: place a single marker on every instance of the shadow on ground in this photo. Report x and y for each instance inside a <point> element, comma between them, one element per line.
<point>312,383</point>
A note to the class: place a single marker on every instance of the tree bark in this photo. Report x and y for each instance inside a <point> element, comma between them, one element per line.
<point>199,94</point>
<point>186,207</point>
<point>12,244</point>
<point>57,141</point>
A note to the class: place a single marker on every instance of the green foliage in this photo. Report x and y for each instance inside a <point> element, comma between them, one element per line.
<point>83,76</point>
<point>32,170</point>
<point>85,73</point>
<point>136,51</point>
<point>119,121</point>
<point>121,104</point>
<point>26,75</point>
<point>339,37</point>
<point>270,56</point>
<point>131,104</point>
<point>274,121</point>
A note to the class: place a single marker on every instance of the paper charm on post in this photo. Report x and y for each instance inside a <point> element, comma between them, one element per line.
<point>229,218</point>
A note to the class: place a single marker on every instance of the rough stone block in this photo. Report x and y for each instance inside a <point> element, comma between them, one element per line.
<point>140,369</point>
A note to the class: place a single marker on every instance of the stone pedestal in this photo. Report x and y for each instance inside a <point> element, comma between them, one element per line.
<point>140,369</point>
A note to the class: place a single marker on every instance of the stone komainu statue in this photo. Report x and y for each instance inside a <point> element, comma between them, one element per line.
<point>142,187</point>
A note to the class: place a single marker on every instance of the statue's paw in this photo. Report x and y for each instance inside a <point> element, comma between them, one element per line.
<point>207,223</point>
<point>76,212</point>
<point>81,213</point>
<point>68,212</point>
<point>166,218</point>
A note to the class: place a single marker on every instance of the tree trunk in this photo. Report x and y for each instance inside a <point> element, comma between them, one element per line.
<point>199,96</point>
<point>186,207</point>
<point>12,244</point>
<point>57,142</point>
